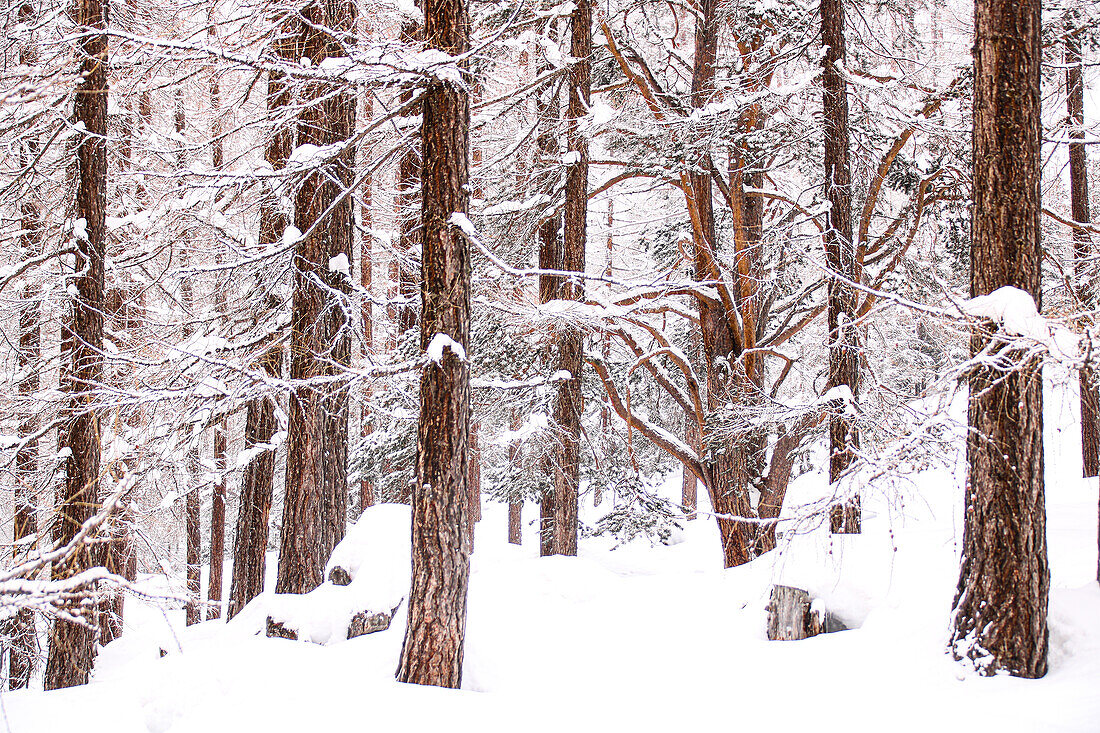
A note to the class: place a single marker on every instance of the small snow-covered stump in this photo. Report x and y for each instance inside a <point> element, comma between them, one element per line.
<point>367,581</point>
<point>792,615</point>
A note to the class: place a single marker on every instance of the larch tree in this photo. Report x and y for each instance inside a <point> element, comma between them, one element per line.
<point>840,256</point>
<point>1000,608</point>
<point>73,646</point>
<point>570,403</point>
<point>315,512</point>
<point>435,635</point>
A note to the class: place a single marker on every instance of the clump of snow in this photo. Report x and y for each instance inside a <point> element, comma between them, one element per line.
<point>291,236</point>
<point>441,342</point>
<point>340,264</point>
<point>80,229</point>
<point>460,220</point>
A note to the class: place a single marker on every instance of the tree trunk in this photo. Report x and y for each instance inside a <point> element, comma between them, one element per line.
<point>409,226</point>
<point>1082,244</point>
<point>550,256</point>
<point>689,494</point>
<point>217,524</point>
<point>843,337</point>
<point>257,484</point>
<point>473,483</point>
<point>24,639</point>
<point>515,508</point>
<point>569,404</point>
<point>435,636</point>
<point>72,646</point>
<point>1000,607</point>
<point>366,273</point>
<point>315,513</point>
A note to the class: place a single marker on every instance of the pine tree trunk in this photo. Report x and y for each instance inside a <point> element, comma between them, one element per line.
<point>473,483</point>
<point>315,512</point>
<point>1001,602</point>
<point>689,493</point>
<point>550,258</point>
<point>366,277</point>
<point>1082,244</point>
<point>434,639</point>
<point>257,484</point>
<point>72,646</point>
<point>569,405</point>
<point>844,517</point>
<point>409,227</point>
<point>515,508</point>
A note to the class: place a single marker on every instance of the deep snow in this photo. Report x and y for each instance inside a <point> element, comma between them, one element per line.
<point>642,637</point>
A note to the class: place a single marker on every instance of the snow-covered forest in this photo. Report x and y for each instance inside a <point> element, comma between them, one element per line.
<point>621,365</point>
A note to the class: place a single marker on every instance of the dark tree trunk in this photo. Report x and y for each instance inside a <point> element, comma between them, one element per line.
<point>515,508</point>
<point>366,273</point>
<point>434,639</point>
<point>689,493</point>
<point>217,524</point>
<point>1001,602</point>
<point>250,544</point>
<point>473,483</point>
<point>550,256</point>
<point>843,337</point>
<point>72,646</point>
<point>1082,244</point>
<point>257,484</point>
<point>24,639</point>
<point>569,404</point>
<point>315,512</point>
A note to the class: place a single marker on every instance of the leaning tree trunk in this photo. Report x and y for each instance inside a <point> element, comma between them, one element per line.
<point>434,639</point>
<point>1000,607</point>
<point>24,639</point>
<point>315,512</point>
<point>257,484</point>
<point>1082,244</point>
<point>844,517</point>
<point>569,404</point>
<point>73,646</point>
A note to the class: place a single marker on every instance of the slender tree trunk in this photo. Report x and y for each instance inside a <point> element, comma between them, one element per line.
<point>221,429</point>
<point>434,638</point>
<point>408,195</point>
<point>193,502</point>
<point>550,258</point>
<point>515,508</point>
<point>473,483</point>
<point>570,405</point>
<point>844,517</point>
<point>1000,608</point>
<point>315,513</point>
<point>257,484</point>
<point>689,494</point>
<point>24,639</point>
<point>1082,244</point>
<point>73,646</point>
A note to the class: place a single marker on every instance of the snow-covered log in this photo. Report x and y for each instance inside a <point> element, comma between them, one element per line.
<point>793,615</point>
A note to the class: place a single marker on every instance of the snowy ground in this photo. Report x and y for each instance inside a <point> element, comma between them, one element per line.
<point>643,638</point>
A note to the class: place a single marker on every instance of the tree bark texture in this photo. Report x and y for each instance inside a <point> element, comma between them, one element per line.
<point>217,524</point>
<point>473,483</point>
<point>315,513</point>
<point>435,635</point>
<point>1082,243</point>
<point>1000,609</point>
<point>569,404</point>
<point>840,256</point>
<point>72,646</point>
<point>548,107</point>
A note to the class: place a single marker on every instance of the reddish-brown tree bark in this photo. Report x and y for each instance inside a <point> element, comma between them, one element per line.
<point>1082,243</point>
<point>73,646</point>
<point>840,256</point>
<point>435,636</point>
<point>315,512</point>
<point>1000,609</point>
<point>569,404</point>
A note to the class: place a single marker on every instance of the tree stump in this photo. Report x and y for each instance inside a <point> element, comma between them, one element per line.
<point>276,630</point>
<point>791,615</point>
<point>339,576</point>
